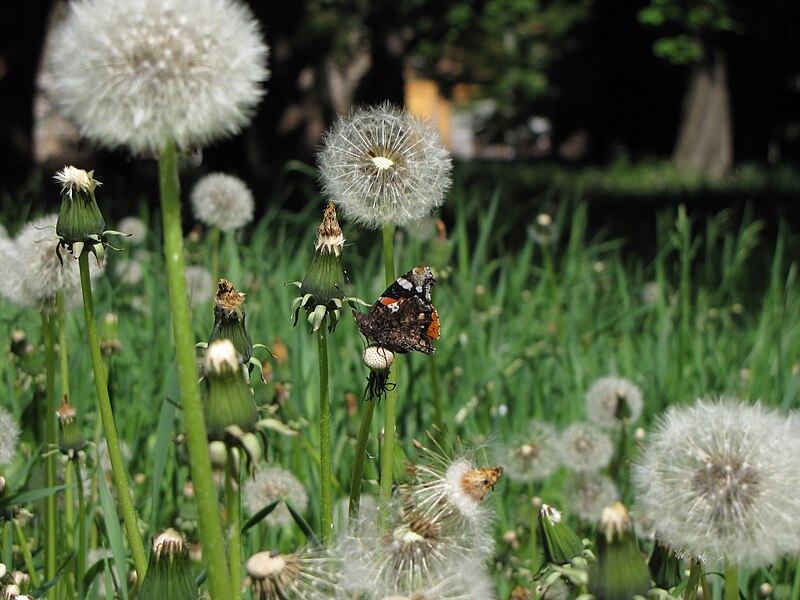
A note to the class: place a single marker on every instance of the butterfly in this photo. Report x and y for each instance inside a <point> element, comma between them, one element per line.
<point>404,318</point>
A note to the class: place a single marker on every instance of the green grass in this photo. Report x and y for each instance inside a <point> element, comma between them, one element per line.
<point>519,340</point>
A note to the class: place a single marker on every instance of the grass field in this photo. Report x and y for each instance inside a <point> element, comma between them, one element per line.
<point>532,314</point>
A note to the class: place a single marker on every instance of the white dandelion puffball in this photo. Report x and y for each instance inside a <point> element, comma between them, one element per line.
<point>382,166</point>
<point>222,201</point>
<point>612,402</point>
<point>9,436</point>
<point>136,230</point>
<point>144,73</point>
<point>38,274</point>
<point>533,455</point>
<point>719,480</point>
<point>585,448</point>
<point>591,494</point>
<point>270,484</point>
<point>199,285</point>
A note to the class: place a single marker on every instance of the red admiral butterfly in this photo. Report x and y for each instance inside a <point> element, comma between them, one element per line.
<point>403,318</point>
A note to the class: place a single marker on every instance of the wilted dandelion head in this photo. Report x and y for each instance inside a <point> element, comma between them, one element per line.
<point>9,436</point>
<point>144,73</point>
<point>38,274</point>
<point>302,574</point>
<point>719,480</point>
<point>222,201</point>
<point>612,402</point>
<point>590,494</point>
<point>380,165</point>
<point>533,455</point>
<point>584,448</point>
<point>268,485</point>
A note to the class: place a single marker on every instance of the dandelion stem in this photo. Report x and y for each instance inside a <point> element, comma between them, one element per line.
<point>326,498</point>
<point>109,428</point>
<point>690,593</point>
<point>26,554</point>
<point>214,236</point>
<point>390,403</point>
<point>81,553</point>
<point>210,526</point>
<point>62,345</point>
<point>731,582</point>
<point>233,498</point>
<point>361,455</point>
<point>50,514</point>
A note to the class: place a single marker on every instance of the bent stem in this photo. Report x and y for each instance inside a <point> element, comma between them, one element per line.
<point>210,526</point>
<point>390,403</point>
<point>109,428</point>
<point>326,496</point>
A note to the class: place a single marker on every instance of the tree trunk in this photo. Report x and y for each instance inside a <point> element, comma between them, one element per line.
<point>705,138</point>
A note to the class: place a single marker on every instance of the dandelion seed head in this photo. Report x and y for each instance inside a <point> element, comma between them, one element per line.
<point>198,285</point>
<point>268,485</point>
<point>9,436</point>
<point>222,201</point>
<point>613,402</point>
<point>311,575</point>
<point>719,481</point>
<point>38,274</point>
<point>144,73</point>
<point>591,493</point>
<point>584,448</point>
<point>383,166</point>
<point>533,455</point>
<point>136,229</point>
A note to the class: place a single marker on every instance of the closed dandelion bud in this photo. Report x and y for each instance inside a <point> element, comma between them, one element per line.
<point>72,440</point>
<point>169,571</point>
<point>229,319</point>
<point>560,543</point>
<point>619,571</point>
<point>79,219</point>
<point>322,289</point>
<point>229,399</point>
<point>666,569</point>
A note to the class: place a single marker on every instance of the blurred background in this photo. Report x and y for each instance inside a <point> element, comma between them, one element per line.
<point>671,100</point>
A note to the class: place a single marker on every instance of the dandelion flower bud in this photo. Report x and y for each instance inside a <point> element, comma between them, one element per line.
<point>322,289</point>
<point>181,72</point>
<point>72,440</point>
<point>9,436</point>
<point>222,201</point>
<point>561,544</point>
<point>229,319</point>
<point>79,219</point>
<point>666,569</point>
<point>382,166</point>
<point>229,401</point>
<point>270,484</point>
<point>169,570</point>
<point>720,479</point>
<point>619,572</point>
<point>613,402</point>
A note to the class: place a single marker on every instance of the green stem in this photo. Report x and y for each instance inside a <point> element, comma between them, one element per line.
<point>233,498</point>
<point>361,455</point>
<point>62,345</point>
<point>390,403</point>
<point>534,531</point>
<point>81,552</point>
<point>69,527</point>
<point>326,499</point>
<point>211,537</point>
<point>731,582</point>
<point>796,582</point>
<point>690,593</point>
<point>109,428</point>
<point>50,513</point>
<point>26,554</point>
